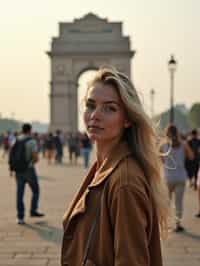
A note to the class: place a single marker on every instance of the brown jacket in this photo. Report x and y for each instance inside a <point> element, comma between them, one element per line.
<point>127,232</point>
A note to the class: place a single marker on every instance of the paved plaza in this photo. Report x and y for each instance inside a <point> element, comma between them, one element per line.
<point>39,241</point>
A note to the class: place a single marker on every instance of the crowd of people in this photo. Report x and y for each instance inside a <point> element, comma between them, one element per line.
<point>52,146</point>
<point>22,150</point>
<point>180,155</point>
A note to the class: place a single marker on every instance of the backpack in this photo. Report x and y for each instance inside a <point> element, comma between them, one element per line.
<point>17,156</point>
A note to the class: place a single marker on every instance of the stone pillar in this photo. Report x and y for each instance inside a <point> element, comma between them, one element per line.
<point>72,106</point>
<point>64,114</point>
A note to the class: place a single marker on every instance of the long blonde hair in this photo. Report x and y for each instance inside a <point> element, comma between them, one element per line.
<point>141,137</point>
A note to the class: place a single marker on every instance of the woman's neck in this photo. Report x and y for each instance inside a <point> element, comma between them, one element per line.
<point>103,150</point>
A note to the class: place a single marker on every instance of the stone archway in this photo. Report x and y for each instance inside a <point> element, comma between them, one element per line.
<point>86,43</point>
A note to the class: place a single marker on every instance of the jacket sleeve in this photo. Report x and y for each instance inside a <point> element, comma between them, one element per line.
<point>129,218</point>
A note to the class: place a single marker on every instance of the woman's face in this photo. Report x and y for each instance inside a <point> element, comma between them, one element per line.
<point>104,115</point>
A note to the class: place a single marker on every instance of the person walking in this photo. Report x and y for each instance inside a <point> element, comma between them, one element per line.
<point>116,215</point>
<point>22,158</point>
<point>194,143</point>
<point>174,153</point>
<point>198,193</point>
<point>73,143</point>
<point>58,147</point>
<point>5,144</point>
<point>86,146</point>
<point>49,147</point>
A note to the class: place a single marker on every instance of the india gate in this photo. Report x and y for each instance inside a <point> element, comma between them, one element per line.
<point>85,44</point>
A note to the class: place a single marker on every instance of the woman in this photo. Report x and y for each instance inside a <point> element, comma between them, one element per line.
<point>176,152</point>
<point>116,215</point>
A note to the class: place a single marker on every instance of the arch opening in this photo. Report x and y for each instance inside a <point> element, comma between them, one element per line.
<point>83,80</point>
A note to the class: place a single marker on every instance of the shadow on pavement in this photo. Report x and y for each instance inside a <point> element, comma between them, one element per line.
<point>47,232</point>
<point>191,235</point>
<point>70,165</point>
<point>46,178</point>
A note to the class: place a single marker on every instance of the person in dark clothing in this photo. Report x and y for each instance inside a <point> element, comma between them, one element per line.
<point>85,150</point>
<point>73,147</point>
<point>27,176</point>
<point>198,193</point>
<point>49,147</point>
<point>58,147</point>
<point>193,165</point>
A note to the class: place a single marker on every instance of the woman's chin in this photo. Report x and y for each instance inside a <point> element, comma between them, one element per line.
<point>94,137</point>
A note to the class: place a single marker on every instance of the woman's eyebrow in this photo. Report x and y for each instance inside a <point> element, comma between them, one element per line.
<point>106,102</point>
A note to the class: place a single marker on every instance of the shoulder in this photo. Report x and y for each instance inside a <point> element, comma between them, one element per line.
<point>31,144</point>
<point>185,145</point>
<point>164,147</point>
<point>129,190</point>
<point>129,176</point>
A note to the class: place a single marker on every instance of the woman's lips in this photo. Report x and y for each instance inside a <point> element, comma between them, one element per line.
<point>95,127</point>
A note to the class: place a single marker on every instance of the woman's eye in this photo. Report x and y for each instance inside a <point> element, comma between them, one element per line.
<point>104,108</point>
<point>108,108</point>
<point>89,106</point>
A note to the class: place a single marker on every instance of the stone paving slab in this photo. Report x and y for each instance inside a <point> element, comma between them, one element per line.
<point>184,248</point>
<point>38,243</point>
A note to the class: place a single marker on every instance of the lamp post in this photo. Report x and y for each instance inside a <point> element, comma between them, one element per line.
<point>152,94</point>
<point>172,65</point>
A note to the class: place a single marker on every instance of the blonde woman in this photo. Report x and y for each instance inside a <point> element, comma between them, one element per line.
<point>121,208</point>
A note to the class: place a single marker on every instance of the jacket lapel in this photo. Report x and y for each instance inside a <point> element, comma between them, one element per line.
<point>81,191</point>
<point>117,154</point>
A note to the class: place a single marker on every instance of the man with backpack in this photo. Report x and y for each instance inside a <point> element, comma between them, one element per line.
<point>23,156</point>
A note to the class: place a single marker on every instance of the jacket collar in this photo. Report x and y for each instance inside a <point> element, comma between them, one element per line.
<point>118,153</point>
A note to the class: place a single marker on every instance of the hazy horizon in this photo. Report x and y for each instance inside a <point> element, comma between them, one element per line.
<point>156,28</point>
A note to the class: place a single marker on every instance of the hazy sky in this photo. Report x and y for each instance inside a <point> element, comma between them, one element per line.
<point>157,28</point>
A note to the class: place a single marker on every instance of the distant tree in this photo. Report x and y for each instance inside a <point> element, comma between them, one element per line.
<point>194,116</point>
<point>9,125</point>
<point>180,120</point>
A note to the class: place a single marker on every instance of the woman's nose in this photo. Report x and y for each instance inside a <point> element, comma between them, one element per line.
<point>96,113</point>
